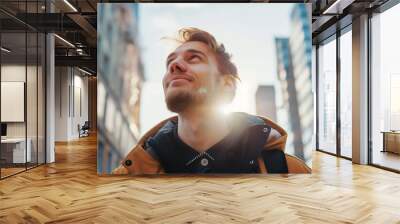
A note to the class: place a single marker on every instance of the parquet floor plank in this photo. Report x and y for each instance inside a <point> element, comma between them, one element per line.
<point>70,191</point>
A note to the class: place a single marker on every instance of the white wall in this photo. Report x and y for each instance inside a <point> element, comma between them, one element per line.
<point>61,103</point>
<point>81,103</point>
<point>71,102</point>
<point>16,73</point>
<point>33,126</point>
<point>12,73</point>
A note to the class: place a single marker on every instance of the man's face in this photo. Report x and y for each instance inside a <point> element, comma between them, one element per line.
<point>192,77</point>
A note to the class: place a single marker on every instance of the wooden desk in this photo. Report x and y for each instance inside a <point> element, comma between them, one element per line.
<point>13,150</point>
<point>391,141</point>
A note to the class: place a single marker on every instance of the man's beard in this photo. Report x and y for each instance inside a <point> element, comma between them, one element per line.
<point>180,101</point>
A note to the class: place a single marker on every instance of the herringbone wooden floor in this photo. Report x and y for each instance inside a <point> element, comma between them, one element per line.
<point>70,191</point>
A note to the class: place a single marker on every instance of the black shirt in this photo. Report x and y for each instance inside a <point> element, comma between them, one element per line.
<point>236,153</point>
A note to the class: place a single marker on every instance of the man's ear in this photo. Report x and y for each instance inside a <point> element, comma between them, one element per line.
<point>228,81</point>
<point>229,85</point>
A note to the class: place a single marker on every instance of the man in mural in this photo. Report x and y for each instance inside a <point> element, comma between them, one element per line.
<point>200,77</point>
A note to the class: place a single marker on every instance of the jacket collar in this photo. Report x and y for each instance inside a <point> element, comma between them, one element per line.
<point>246,120</point>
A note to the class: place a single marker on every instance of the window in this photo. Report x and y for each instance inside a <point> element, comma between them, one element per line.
<point>385,89</point>
<point>22,65</point>
<point>345,94</point>
<point>327,96</point>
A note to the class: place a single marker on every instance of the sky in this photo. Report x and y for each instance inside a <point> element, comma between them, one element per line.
<point>247,31</point>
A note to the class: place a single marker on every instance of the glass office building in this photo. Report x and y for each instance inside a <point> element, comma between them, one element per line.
<point>119,83</point>
<point>294,74</point>
<point>300,51</point>
<point>286,79</point>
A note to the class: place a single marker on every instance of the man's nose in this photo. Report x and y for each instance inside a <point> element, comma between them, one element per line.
<point>176,67</point>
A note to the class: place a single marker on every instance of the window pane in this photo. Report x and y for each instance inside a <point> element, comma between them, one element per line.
<point>327,97</point>
<point>345,94</point>
<point>15,151</point>
<point>386,89</point>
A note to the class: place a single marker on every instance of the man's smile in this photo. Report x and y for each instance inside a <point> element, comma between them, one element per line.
<point>179,80</point>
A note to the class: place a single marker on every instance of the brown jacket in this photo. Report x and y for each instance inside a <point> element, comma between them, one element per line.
<point>138,161</point>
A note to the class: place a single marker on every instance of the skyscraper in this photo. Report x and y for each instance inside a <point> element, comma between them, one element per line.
<point>294,74</point>
<point>301,54</point>
<point>120,77</point>
<point>266,102</point>
<point>289,107</point>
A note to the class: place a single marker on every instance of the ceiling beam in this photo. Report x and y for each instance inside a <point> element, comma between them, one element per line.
<point>86,26</point>
<point>83,61</point>
<point>337,7</point>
